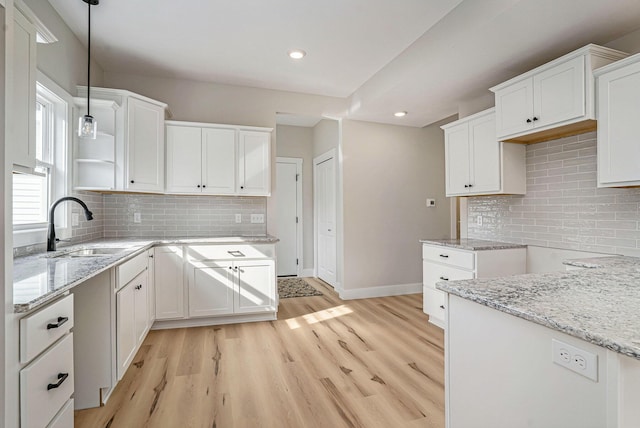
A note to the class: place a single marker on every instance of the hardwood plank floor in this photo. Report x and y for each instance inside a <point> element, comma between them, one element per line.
<point>324,363</point>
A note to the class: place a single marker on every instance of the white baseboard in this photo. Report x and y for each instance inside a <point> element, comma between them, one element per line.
<point>306,273</point>
<point>201,322</point>
<point>382,291</point>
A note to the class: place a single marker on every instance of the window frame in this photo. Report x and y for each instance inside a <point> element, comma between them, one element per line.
<point>61,103</point>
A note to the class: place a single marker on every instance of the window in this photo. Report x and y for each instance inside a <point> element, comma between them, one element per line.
<point>34,190</point>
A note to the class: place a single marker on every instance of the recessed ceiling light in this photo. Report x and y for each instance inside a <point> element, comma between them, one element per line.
<point>400,113</point>
<point>296,54</point>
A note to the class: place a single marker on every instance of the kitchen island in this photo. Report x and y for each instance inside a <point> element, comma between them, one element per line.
<point>545,350</point>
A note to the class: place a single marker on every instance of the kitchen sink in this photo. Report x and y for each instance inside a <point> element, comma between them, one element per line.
<point>90,252</point>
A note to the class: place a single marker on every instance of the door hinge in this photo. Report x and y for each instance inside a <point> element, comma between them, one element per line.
<point>297,176</point>
<point>296,262</point>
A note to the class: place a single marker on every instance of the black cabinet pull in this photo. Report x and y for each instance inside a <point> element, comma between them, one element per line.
<point>466,185</point>
<point>444,278</point>
<point>132,182</point>
<point>444,256</point>
<point>528,120</point>
<point>198,186</point>
<point>204,185</point>
<point>241,187</point>
<point>138,287</point>
<point>61,320</point>
<point>441,306</point>
<point>150,256</point>
<point>61,378</point>
<point>535,118</point>
<point>470,185</point>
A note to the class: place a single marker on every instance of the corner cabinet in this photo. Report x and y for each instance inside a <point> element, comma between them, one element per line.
<point>137,133</point>
<point>218,159</point>
<point>478,164</point>
<point>618,92</point>
<point>553,100</point>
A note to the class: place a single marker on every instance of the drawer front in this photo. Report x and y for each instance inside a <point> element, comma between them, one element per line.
<point>433,304</point>
<point>40,398</point>
<point>229,252</point>
<point>40,329</point>
<point>132,268</point>
<point>435,272</point>
<point>64,419</point>
<point>448,256</point>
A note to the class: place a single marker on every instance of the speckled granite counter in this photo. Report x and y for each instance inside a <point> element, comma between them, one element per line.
<point>41,277</point>
<point>472,244</point>
<point>599,305</point>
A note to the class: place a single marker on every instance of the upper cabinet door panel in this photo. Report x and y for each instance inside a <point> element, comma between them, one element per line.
<point>457,159</point>
<point>254,174</point>
<point>485,155</point>
<point>219,161</point>
<point>559,93</point>
<point>145,141</point>
<point>183,159</point>
<point>514,108</point>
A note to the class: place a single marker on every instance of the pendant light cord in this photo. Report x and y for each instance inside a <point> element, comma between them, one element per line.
<point>89,62</point>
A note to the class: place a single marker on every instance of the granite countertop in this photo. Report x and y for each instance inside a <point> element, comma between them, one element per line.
<point>599,305</point>
<point>472,244</point>
<point>39,278</point>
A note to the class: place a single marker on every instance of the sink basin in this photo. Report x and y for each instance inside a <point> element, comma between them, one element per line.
<point>90,252</point>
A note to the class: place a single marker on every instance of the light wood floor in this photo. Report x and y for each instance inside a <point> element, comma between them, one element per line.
<point>324,363</point>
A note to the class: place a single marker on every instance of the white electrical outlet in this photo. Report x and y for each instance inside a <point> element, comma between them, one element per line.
<point>257,218</point>
<point>575,359</point>
<point>479,220</point>
<point>137,218</point>
<point>75,219</point>
<point>431,203</point>
<point>238,218</point>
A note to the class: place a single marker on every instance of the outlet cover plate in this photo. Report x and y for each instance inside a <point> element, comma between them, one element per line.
<point>137,218</point>
<point>257,218</point>
<point>575,359</point>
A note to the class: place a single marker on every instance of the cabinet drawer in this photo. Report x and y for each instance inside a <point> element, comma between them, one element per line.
<point>40,329</point>
<point>131,268</point>
<point>433,304</point>
<point>40,398</point>
<point>64,419</point>
<point>446,255</point>
<point>229,252</point>
<point>435,272</point>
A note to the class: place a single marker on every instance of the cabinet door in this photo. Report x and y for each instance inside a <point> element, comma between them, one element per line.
<point>169,283</point>
<point>254,172</point>
<point>219,161</point>
<point>141,304</point>
<point>126,338</point>
<point>151,288</point>
<point>514,108</point>
<point>184,155</point>
<point>23,98</point>
<point>559,93</point>
<point>211,289</point>
<point>256,282</point>
<point>145,140</point>
<point>484,153</point>
<point>618,126</point>
<point>457,160</point>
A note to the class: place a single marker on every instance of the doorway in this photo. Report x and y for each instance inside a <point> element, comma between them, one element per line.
<point>324,173</point>
<point>289,206</point>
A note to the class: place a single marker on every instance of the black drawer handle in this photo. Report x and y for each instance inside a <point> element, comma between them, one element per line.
<point>444,278</point>
<point>528,120</point>
<point>61,378</point>
<point>61,320</point>
<point>444,256</point>
<point>441,306</point>
<point>138,287</point>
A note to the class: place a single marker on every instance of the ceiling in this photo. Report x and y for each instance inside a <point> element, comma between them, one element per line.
<point>422,56</point>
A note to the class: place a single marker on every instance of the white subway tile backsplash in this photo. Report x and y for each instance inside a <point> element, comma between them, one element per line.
<point>563,208</point>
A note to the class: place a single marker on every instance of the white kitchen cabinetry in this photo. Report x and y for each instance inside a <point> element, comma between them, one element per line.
<point>139,140</point>
<point>478,164</point>
<point>169,283</point>
<point>218,159</point>
<point>211,288</point>
<point>618,92</point>
<point>442,263</point>
<point>47,381</point>
<point>553,100</point>
<point>22,121</point>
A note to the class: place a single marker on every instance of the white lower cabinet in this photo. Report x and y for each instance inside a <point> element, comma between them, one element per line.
<point>211,289</point>
<point>132,319</point>
<point>64,418</point>
<point>169,283</point>
<point>255,291</point>
<point>443,263</point>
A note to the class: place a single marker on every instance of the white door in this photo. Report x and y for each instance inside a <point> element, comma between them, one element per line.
<point>184,156</point>
<point>145,140</point>
<point>218,161</point>
<point>288,217</point>
<point>325,199</point>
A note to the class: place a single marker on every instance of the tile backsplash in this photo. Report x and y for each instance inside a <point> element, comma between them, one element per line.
<point>563,208</point>
<point>187,216</point>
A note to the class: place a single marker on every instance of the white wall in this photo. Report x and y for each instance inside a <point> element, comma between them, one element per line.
<point>297,142</point>
<point>389,172</point>
<point>326,136</point>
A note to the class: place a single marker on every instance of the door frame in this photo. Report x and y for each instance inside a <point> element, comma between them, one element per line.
<point>317,161</point>
<point>299,213</point>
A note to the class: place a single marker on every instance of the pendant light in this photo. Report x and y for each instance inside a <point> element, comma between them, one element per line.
<point>88,127</point>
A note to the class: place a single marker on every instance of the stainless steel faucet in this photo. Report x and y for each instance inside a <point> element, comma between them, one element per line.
<point>51,236</point>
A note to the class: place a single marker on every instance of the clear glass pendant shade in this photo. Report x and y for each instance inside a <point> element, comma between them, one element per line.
<point>88,127</point>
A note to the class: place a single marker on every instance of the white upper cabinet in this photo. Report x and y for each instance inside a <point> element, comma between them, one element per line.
<point>137,132</point>
<point>22,120</point>
<point>618,95</point>
<point>477,163</point>
<point>218,159</point>
<point>553,100</point>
